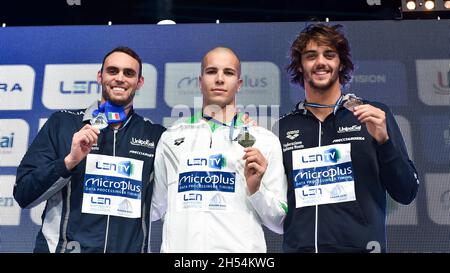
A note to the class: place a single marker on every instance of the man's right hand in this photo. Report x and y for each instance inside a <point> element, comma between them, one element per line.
<point>82,142</point>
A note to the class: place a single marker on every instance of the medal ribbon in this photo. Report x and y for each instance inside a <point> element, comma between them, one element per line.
<point>233,123</point>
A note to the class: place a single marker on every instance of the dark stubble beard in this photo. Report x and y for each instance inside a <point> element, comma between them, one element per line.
<point>120,103</point>
<point>322,88</point>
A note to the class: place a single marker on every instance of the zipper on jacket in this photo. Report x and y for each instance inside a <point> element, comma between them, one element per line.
<point>317,206</point>
<point>107,221</point>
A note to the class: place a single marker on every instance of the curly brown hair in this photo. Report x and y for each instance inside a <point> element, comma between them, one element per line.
<point>322,34</point>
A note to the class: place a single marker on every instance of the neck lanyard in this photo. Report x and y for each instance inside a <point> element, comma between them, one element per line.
<point>319,105</point>
<point>215,121</point>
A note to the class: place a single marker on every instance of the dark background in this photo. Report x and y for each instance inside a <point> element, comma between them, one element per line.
<point>100,12</point>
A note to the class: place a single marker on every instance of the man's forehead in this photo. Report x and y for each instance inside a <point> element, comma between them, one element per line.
<point>220,66</point>
<point>221,59</point>
<point>120,59</point>
<point>313,45</point>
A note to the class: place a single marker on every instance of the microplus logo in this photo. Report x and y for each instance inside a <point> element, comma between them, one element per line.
<point>112,186</point>
<point>206,181</point>
<point>181,83</point>
<point>247,82</point>
<point>323,175</point>
<point>16,87</point>
<point>188,82</point>
<point>260,84</point>
<point>332,155</point>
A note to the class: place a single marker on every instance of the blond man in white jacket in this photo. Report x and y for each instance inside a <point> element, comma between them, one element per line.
<point>217,181</point>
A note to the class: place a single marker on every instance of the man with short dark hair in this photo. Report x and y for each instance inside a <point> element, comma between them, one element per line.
<point>94,168</point>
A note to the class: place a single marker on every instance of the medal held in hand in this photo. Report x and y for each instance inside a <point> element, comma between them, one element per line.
<point>246,139</point>
<point>352,102</point>
<point>100,121</point>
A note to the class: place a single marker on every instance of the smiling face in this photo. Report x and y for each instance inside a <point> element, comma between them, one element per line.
<point>119,78</point>
<point>220,78</point>
<point>320,67</point>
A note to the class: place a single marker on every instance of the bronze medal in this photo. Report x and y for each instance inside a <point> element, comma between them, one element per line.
<point>246,139</point>
<point>352,102</point>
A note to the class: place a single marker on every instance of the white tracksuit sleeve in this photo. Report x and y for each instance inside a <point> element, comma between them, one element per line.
<point>270,201</point>
<point>159,195</point>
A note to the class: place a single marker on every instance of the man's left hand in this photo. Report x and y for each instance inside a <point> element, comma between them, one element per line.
<point>255,167</point>
<point>375,120</point>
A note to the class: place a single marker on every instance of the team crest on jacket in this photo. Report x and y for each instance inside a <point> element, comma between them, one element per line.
<point>178,141</point>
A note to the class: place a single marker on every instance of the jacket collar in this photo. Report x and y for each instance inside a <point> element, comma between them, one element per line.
<point>88,114</point>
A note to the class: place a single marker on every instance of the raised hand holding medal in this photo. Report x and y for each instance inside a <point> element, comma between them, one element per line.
<point>255,163</point>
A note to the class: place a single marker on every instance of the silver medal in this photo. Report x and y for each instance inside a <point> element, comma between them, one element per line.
<point>100,121</point>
